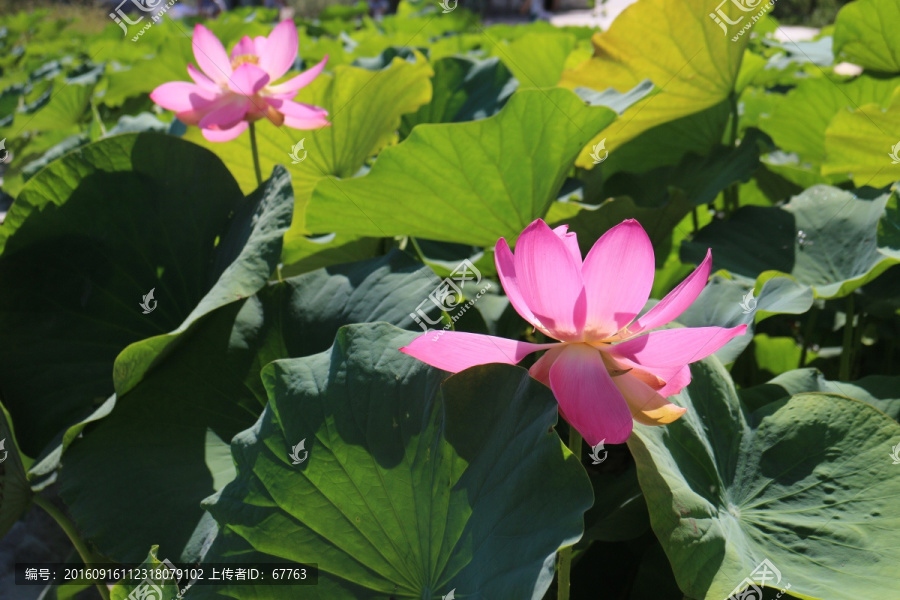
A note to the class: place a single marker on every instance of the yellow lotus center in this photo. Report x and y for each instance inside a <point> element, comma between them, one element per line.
<point>244,58</point>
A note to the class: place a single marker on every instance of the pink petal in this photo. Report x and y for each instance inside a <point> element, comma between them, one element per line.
<point>676,301</point>
<point>210,55</point>
<point>226,135</point>
<point>182,96</point>
<point>202,80</point>
<point>293,85</point>
<point>280,50</point>
<point>227,114</point>
<point>618,274</point>
<point>674,348</point>
<point>247,80</point>
<point>298,115</point>
<point>540,370</point>
<point>647,406</point>
<point>260,43</point>
<point>550,281</point>
<point>506,269</point>
<point>676,383</point>
<point>571,241</point>
<point>244,47</point>
<point>587,395</point>
<point>455,351</point>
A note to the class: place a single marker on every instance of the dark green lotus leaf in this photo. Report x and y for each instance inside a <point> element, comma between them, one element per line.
<point>805,482</point>
<point>463,89</point>
<point>412,486</point>
<point>728,303</point>
<point>209,387</point>
<point>881,391</point>
<point>15,494</point>
<point>89,237</point>
<point>825,238</point>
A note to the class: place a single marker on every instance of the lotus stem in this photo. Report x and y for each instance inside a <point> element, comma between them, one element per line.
<point>807,334</point>
<point>418,249</point>
<point>731,193</point>
<point>66,525</point>
<point>255,151</point>
<point>847,350</point>
<point>564,577</point>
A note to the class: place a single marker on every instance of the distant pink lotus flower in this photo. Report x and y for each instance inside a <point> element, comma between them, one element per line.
<point>604,373</point>
<point>231,92</point>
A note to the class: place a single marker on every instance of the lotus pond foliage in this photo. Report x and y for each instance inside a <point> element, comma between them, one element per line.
<point>444,309</point>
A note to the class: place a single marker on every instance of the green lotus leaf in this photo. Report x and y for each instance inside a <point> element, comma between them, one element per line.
<point>804,482</point>
<point>15,492</point>
<point>798,119</point>
<point>468,183</point>
<point>412,486</point>
<point>84,244</point>
<point>209,387</point>
<point>865,143</point>
<point>863,37</point>
<point>825,238</point>
<point>464,90</point>
<point>881,391</point>
<point>676,45</point>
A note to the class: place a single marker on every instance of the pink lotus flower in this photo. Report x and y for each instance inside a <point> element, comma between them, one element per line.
<point>231,92</point>
<point>605,370</point>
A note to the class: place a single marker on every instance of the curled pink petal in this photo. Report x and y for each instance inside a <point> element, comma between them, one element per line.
<point>298,115</point>
<point>280,50</point>
<point>571,241</point>
<point>455,351</point>
<point>618,274</point>
<point>225,135</point>
<point>586,393</point>
<point>675,348</point>
<point>210,55</point>
<point>550,281</point>
<point>647,405</point>
<point>247,80</point>
<point>676,302</point>
<point>676,383</point>
<point>294,84</point>
<point>540,370</point>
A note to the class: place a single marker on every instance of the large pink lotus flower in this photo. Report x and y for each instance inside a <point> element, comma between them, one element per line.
<point>606,370</point>
<point>231,92</point>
